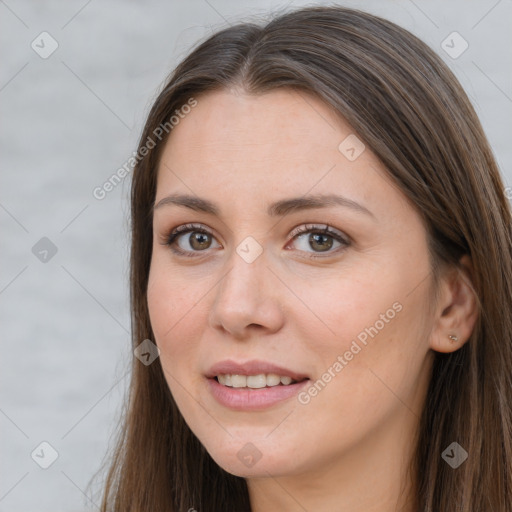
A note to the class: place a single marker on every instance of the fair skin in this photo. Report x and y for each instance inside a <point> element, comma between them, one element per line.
<point>347,449</point>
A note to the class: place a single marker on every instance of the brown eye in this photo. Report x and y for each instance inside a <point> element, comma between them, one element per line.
<point>315,239</point>
<point>198,240</point>
<point>320,241</point>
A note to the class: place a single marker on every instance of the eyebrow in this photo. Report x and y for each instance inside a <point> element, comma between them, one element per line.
<point>279,208</point>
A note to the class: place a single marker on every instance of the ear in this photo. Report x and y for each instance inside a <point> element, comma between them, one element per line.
<point>456,312</point>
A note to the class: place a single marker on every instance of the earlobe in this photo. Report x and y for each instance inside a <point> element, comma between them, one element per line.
<point>457,310</point>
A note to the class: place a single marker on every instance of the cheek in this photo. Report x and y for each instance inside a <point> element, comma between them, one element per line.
<point>367,333</point>
<point>176,312</point>
<point>354,305</point>
<point>177,317</point>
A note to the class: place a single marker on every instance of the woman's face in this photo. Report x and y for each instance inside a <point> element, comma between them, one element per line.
<point>257,283</point>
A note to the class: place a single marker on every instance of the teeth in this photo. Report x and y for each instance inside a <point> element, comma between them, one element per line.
<point>286,380</point>
<point>273,379</point>
<point>254,381</point>
<point>239,381</point>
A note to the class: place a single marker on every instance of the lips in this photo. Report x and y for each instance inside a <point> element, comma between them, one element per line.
<point>252,367</point>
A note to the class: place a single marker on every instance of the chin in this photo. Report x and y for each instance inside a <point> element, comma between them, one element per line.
<point>247,461</point>
<point>260,470</point>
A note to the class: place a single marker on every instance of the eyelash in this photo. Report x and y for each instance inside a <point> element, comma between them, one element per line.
<point>306,228</point>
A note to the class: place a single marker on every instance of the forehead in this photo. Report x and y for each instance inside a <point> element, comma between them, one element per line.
<point>231,121</point>
<point>269,146</point>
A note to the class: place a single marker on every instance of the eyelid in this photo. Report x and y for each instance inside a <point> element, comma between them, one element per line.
<point>327,229</point>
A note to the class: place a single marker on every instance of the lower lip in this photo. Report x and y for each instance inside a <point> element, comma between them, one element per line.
<point>247,399</point>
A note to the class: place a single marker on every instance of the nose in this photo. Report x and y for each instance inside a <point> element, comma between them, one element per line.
<point>247,298</point>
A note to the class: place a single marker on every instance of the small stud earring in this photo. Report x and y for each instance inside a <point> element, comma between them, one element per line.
<point>453,338</point>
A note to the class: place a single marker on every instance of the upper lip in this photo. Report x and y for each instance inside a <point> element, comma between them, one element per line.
<point>253,367</point>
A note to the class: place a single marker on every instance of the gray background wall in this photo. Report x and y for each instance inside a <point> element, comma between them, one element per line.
<point>68,122</point>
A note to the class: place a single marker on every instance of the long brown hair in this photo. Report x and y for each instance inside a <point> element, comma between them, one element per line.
<point>408,107</point>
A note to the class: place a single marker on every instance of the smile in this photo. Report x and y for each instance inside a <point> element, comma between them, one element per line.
<point>245,398</point>
<point>259,381</point>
